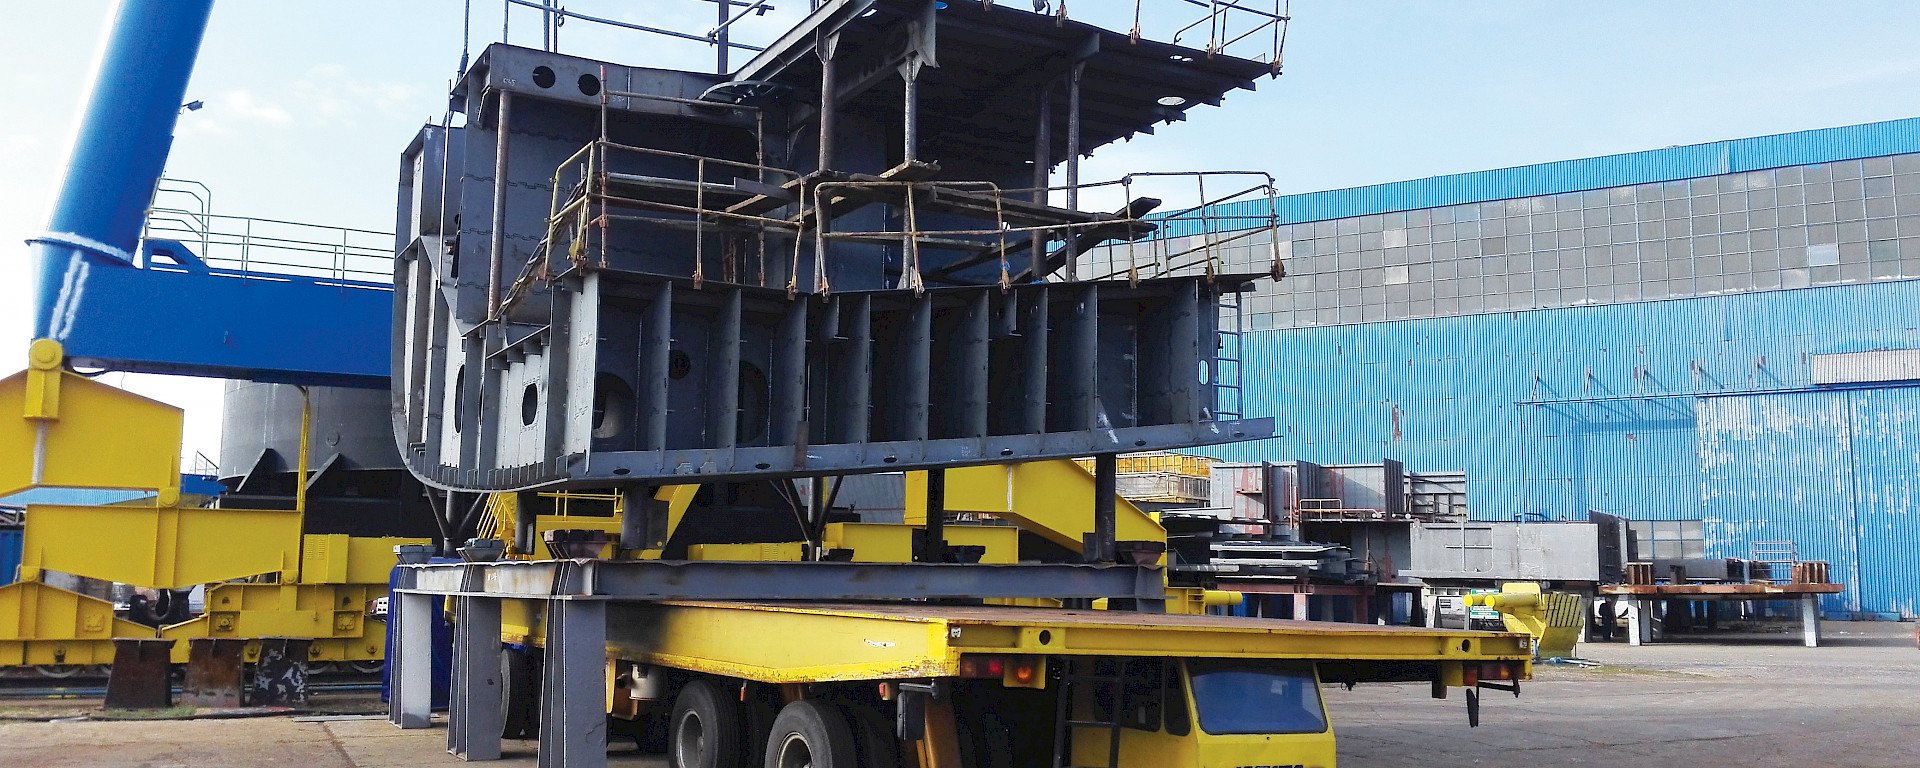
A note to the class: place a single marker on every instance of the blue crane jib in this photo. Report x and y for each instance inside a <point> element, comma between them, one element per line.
<point>839,259</point>
<point>162,308</point>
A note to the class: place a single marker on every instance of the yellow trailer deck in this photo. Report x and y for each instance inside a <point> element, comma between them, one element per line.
<point>865,641</point>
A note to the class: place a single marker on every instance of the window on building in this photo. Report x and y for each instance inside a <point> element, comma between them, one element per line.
<point>1667,539</point>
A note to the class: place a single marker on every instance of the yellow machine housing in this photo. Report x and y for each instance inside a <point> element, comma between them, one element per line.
<point>1553,619</point>
<point>266,578</point>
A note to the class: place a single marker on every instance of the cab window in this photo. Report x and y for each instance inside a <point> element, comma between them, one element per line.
<point>1234,696</point>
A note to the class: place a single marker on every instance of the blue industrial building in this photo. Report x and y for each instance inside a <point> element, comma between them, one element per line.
<point>1720,337</point>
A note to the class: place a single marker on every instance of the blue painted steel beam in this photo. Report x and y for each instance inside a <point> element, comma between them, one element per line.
<point>119,150</point>
<point>97,300</point>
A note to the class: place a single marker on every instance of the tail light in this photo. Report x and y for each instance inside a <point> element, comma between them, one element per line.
<point>1013,671</point>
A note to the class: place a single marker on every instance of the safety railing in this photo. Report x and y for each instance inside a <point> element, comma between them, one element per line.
<point>553,16</point>
<point>259,248</point>
<point>268,248</point>
<point>1248,29</point>
<point>1213,235</point>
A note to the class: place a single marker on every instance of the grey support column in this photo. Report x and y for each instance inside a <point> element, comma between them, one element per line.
<point>1641,633</point>
<point>826,47</point>
<point>410,703</point>
<point>1042,160</point>
<point>497,243</point>
<point>1810,621</point>
<point>1106,479</point>
<point>573,706</point>
<point>1073,154</point>
<point>474,717</point>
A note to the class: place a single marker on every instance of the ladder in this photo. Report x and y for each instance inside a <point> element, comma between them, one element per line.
<point>1225,372</point>
<point>1115,678</point>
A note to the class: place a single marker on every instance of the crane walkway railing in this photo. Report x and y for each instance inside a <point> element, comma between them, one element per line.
<point>182,234</point>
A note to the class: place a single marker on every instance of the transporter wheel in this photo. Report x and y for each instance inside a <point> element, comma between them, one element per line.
<point>520,694</point>
<point>873,735</point>
<point>704,731</point>
<point>811,734</point>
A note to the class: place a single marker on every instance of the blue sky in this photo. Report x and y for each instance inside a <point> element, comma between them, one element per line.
<point>309,104</point>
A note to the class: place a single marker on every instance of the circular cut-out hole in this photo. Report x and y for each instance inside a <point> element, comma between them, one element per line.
<point>1138,443</point>
<point>891,459</point>
<point>763,465</point>
<point>1046,636</point>
<point>1006,451</point>
<point>1466,645</point>
<point>589,85</point>
<point>543,76</point>
<point>529,404</point>
<point>678,365</point>
<point>622,471</point>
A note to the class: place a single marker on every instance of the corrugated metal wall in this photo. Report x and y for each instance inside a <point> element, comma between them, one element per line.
<point>1691,161</point>
<point>1886,469</point>
<point>1555,412</point>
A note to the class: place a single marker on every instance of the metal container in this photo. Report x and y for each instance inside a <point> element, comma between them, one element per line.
<point>11,542</point>
<point>348,424</point>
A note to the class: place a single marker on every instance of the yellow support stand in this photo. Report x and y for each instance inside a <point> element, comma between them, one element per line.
<point>1053,499</point>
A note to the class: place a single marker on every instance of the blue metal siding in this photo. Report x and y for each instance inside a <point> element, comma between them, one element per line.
<point>1780,468</point>
<point>1887,471</point>
<point>11,542</point>
<point>1692,161</point>
<point>1697,408</point>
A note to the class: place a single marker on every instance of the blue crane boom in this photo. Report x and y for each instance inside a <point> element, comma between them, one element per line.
<point>111,306</point>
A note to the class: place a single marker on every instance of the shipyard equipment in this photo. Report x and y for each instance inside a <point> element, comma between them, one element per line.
<point>645,322</point>
<point>111,297</point>
<point>1553,619</point>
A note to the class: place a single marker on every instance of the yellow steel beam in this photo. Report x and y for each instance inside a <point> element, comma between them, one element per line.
<point>815,646</point>
<point>824,643</point>
<point>331,612</point>
<point>1051,498</point>
<point>161,547</point>
<point>42,624</point>
<point>60,429</point>
<point>340,576</point>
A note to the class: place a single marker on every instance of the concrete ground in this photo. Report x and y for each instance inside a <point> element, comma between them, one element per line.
<point>1749,700</point>
<point>1756,701</point>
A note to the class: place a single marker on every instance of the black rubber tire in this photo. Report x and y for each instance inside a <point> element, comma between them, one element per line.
<point>811,733</point>
<point>704,730</point>
<point>519,694</point>
<point>873,735</point>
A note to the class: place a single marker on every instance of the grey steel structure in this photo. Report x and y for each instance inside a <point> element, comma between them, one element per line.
<point>841,258</point>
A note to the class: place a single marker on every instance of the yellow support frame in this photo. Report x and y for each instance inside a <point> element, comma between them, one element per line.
<point>73,432</point>
<point>41,624</point>
<point>1053,499</point>
<point>77,433</point>
<point>340,576</point>
<point>161,547</point>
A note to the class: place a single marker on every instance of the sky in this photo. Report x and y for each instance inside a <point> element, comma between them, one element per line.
<point>308,105</point>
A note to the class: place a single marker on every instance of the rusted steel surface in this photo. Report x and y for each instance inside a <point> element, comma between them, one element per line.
<point>1780,590</point>
<point>215,672</point>
<point>142,667</point>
